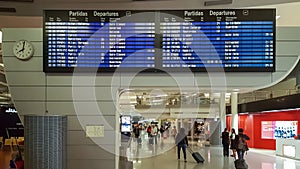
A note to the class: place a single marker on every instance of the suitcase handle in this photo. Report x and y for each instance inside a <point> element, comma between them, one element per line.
<point>190,149</point>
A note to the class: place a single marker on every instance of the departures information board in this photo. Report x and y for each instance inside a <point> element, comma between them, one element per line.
<point>235,40</point>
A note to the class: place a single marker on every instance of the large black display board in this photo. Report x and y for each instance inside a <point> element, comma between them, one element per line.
<point>236,40</point>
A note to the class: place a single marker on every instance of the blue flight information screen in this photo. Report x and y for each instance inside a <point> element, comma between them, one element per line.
<point>233,40</point>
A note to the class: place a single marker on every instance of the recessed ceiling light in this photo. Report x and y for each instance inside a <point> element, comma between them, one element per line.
<point>217,2</point>
<point>227,94</point>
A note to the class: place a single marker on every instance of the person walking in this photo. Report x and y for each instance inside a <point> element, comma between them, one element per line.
<point>233,143</point>
<point>154,134</point>
<point>137,133</point>
<point>12,164</point>
<point>225,142</point>
<point>182,143</point>
<point>174,132</point>
<point>149,130</point>
<point>241,142</point>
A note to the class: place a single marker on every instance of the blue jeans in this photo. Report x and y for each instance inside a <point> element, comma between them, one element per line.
<point>240,153</point>
<point>183,146</point>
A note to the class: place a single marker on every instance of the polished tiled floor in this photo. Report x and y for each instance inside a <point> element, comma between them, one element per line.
<point>163,156</point>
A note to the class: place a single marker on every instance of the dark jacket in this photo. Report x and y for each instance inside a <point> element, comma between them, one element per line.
<point>244,136</point>
<point>181,139</point>
<point>225,138</point>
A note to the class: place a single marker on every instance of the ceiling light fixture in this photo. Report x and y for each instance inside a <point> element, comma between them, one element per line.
<point>227,95</point>
<point>219,2</point>
<point>12,10</point>
<point>236,90</point>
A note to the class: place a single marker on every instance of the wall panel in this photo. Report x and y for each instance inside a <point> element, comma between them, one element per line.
<point>14,34</point>
<point>68,108</point>
<point>79,138</point>
<point>288,34</point>
<point>92,164</point>
<point>288,48</point>
<point>283,63</point>
<point>28,93</point>
<point>12,64</point>
<point>92,94</point>
<point>88,152</point>
<point>150,80</point>
<point>74,122</point>
<point>30,107</point>
<point>82,80</point>
<point>36,79</point>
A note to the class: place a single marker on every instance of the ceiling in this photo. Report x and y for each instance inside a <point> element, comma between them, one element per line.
<point>29,15</point>
<point>169,103</point>
<point>132,99</point>
<point>36,7</point>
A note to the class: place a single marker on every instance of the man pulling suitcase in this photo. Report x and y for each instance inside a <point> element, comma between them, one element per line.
<point>197,156</point>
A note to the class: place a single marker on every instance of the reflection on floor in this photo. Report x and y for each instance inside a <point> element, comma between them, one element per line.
<point>5,156</point>
<point>163,155</point>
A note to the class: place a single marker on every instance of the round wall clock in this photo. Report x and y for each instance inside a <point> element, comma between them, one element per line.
<point>23,50</point>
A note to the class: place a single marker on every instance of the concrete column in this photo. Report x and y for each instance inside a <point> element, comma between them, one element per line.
<point>159,123</point>
<point>46,142</point>
<point>176,124</point>
<point>215,132</point>
<point>181,123</point>
<point>222,111</point>
<point>234,111</point>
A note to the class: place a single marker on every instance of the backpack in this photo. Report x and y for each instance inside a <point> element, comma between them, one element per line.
<point>149,130</point>
<point>242,144</point>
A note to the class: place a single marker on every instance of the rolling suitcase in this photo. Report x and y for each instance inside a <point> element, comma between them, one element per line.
<point>240,164</point>
<point>196,155</point>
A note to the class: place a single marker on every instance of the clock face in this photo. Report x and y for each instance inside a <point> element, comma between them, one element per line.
<point>23,50</point>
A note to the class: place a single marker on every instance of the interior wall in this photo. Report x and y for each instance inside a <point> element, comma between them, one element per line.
<point>251,123</point>
<point>228,122</point>
<point>292,115</point>
<point>246,123</point>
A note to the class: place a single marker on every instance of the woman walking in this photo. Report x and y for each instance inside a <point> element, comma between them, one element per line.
<point>181,142</point>
<point>233,143</point>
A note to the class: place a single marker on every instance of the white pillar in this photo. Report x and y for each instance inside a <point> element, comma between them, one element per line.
<point>181,123</point>
<point>159,123</point>
<point>234,109</point>
<point>222,111</point>
<point>176,124</point>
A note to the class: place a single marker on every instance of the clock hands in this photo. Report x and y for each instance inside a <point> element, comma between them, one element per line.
<point>22,47</point>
